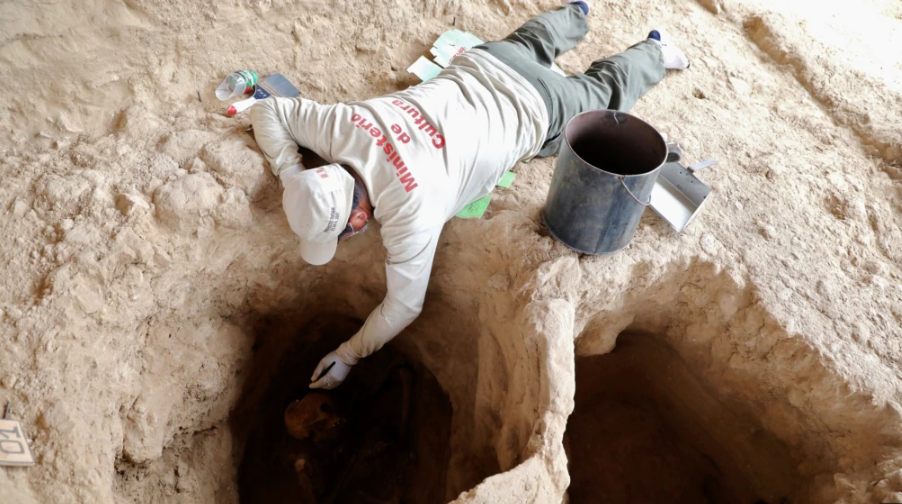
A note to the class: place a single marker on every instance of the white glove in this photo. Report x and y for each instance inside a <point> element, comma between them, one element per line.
<point>334,376</point>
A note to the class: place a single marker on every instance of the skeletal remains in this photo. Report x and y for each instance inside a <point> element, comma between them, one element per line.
<point>314,417</point>
<point>315,421</point>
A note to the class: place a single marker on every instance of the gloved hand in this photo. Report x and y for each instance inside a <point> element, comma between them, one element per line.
<point>336,374</point>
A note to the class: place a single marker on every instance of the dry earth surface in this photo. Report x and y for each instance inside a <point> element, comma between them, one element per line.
<point>151,276</point>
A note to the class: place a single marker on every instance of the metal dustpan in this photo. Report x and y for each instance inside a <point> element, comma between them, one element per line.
<point>678,195</point>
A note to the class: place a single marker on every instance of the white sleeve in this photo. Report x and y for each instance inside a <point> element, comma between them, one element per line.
<point>407,271</point>
<point>282,124</point>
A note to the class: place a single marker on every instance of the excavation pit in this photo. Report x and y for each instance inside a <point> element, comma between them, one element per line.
<point>647,428</point>
<point>381,437</point>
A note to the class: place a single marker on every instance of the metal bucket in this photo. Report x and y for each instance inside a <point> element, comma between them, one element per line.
<point>605,173</point>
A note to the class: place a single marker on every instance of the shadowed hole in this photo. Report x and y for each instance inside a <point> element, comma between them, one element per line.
<point>381,437</point>
<point>645,428</point>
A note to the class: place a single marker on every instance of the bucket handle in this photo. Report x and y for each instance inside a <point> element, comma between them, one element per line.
<point>643,203</point>
<point>674,154</point>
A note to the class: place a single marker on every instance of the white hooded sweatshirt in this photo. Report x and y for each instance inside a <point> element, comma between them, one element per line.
<point>423,154</point>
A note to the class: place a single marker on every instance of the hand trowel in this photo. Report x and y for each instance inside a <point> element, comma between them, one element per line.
<point>274,85</point>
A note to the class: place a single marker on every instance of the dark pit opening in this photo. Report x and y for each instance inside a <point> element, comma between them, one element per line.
<point>380,437</point>
<point>645,428</point>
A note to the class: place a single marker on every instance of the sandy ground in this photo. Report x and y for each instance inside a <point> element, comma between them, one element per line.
<point>148,263</point>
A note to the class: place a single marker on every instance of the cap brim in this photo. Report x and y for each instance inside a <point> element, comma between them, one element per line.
<point>318,254</point>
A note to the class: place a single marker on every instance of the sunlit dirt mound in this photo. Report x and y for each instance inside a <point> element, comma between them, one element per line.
<point>156,318</point>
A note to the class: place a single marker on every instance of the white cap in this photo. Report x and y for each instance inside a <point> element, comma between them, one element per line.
<point>317,203</point>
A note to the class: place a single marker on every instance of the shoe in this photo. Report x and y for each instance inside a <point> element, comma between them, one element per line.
<point>582,4</point>
<point>674,59</point>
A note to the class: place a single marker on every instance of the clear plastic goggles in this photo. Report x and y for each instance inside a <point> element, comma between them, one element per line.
<point>349,231</point>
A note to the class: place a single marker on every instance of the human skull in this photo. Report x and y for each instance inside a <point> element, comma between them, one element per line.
<point>314,415</point>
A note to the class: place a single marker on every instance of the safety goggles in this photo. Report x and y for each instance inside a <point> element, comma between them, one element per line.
<point>349,231</point>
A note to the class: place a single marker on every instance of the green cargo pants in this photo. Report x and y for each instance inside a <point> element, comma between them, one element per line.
<point>610,83</point>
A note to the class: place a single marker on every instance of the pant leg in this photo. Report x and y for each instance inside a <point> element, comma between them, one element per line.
<point>544,37</point>
<point>612,83</point>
